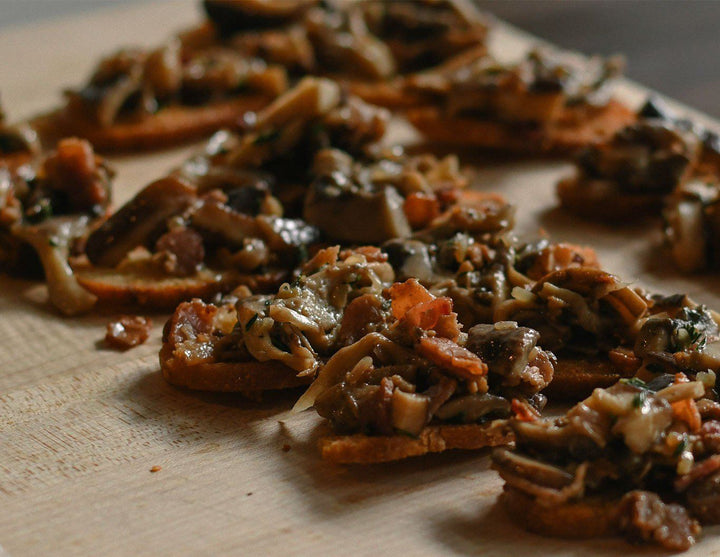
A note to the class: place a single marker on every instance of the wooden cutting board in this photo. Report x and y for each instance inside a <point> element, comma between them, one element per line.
<point>81,427</point>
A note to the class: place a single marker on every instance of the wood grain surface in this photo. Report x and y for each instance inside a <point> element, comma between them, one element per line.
<point>81,428</point>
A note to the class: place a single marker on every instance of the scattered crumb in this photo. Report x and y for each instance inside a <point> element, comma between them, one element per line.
<point>249,493</point>
<point>127,331</point>
<point>286,448</point>
<point>155,469</point>
<point>280,422</point>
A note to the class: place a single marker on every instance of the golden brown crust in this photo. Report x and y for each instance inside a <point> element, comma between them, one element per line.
<point>605,202</point>
<point>579,126</point>
<point>367,449</point>
<point>590,518</point>
<point>576,379</point>
<point>128,288</point>
<point>390,94</point>
<point>227,376</point>
<point>170,126</point>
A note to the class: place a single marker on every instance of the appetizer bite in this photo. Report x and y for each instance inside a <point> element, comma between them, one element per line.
<point>544,104</point>
<point>264,342</point>
<point>637,459</point>
<point>633,173</point>
<point>692,226</point>
<point>139,99</point>
<point>47,208</point>
<point>416,384</point>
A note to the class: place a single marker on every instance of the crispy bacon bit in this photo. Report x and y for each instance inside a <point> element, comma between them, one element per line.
<point>643,516</point>
<point>420,209</point>
<point>681,378</point>
<point>624,361</point>
<point>700,470</point>
<point>426,315</point>
<point>75,170</point>
<point>447,326</point>
<point>452,357</point>
<point>128,331</point>
<point>406,295</point>
<point>326,256</point>
<point>523,411</point>
<point>182,251</point>
<point>372,254</point>
<point>686,410</point>
<point>562,256</point>
<point>361,317</point>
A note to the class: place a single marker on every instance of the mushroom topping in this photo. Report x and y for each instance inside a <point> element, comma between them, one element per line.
<point>304,318</point>
<point>51,241</point>
<point>349,211</point>
<point>140,221</point>
<point>422,34</point>
<point>535,90</point>
<point>572,305</point>
<point>343,43</point>
<point>652,156</point>
<point>233,16</point>
<point>133,83</point>
<point>693,227</point>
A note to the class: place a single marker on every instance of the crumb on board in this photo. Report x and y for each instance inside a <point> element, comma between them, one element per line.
<point>249,493</point>
<point>127,331</point>
<point>155,469</point>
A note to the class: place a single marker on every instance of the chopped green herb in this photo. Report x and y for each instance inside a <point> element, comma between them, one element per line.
<point>266,137</point>
<point>302,253</point>
<point>386,304</point>
<point>251,322</point>
<point>635,382</point>
<point>681,446</point>
<point>639,399</point>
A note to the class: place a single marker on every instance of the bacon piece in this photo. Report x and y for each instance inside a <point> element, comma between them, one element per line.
<point>452,357</point>
<point>420,209</point>
<point>406,295</point>
<point>127,331</point>
<point>523,411</point>
<point>687,411</point>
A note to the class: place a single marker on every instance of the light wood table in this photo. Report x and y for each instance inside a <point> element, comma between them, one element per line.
<point>81,427</point>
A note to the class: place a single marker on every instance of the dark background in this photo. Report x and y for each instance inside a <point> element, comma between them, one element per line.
<point>671,46</point>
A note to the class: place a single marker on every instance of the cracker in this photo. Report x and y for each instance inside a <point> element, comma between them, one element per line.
<point>588,518</point>
<point>170,126</point>
<point>128,287</point>
<point>367,449</point>
<point>578,127</point>
<point>576,379</point>
<point>250,376</point>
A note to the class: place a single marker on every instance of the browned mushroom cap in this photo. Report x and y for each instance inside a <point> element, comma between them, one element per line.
<point>357,217</point>
<point>139,220</point>
<point>586,281</point>
<point>231,16</point>
<point>343,43</point>
<point>347,210</point>
<point>596,284</point>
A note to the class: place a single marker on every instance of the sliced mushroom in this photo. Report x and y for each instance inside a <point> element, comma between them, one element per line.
<point>139,221</point>
<point>233,16</point>
<point>343,42</point>
<point>51,240</point>
<point>356,217</point>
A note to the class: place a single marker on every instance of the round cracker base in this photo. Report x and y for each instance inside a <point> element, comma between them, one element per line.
<point>368,449</point>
